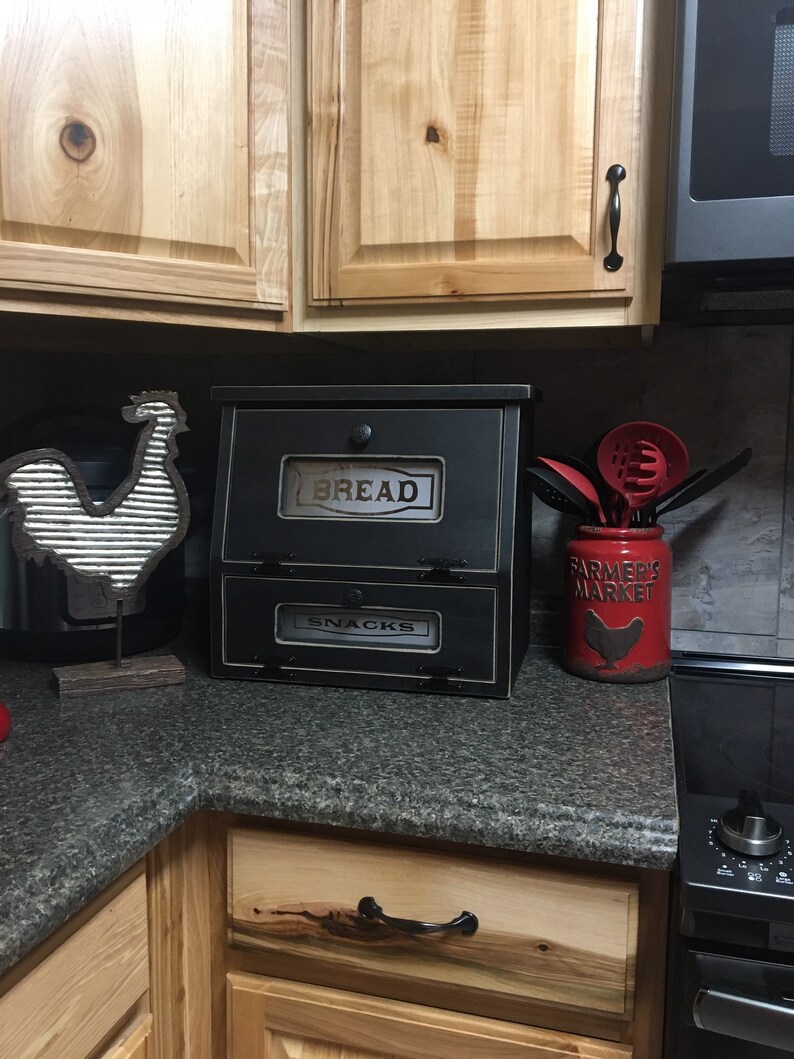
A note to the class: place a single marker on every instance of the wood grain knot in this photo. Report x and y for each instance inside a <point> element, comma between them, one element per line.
<point>77,141</point>
<point>432,135</point>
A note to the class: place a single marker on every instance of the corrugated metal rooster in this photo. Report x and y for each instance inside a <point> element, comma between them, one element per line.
<point>116,542</point>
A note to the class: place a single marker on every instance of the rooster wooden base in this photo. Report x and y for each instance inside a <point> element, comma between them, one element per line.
<point>116,543</point>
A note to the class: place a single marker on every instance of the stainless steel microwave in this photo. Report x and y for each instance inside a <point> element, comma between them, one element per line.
<point>731,192</point>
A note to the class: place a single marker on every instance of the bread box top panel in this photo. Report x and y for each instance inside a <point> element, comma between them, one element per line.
<point>366,486</point>
<point>455,394</point>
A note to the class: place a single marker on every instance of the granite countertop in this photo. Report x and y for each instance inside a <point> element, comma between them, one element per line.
<point>88,785</point>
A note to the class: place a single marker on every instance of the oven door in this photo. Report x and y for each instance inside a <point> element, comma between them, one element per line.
<point>732,1008</point>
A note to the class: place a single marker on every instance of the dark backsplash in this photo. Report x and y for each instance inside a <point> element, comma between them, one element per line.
<point>719,388</point>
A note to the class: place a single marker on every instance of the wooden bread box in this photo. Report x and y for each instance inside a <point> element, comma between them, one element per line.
<point>373,536</point>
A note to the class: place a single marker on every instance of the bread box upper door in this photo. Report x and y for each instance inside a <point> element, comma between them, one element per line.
<point>426,483</point>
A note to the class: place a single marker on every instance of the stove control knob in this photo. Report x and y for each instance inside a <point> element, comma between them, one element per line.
<point>747,829</point>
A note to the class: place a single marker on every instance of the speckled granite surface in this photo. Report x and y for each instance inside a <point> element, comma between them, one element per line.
<point>88,785</point>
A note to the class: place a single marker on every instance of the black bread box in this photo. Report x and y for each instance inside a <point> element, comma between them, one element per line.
<point>373,536</point>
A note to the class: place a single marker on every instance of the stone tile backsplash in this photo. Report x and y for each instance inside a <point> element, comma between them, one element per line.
<point>719,388</point>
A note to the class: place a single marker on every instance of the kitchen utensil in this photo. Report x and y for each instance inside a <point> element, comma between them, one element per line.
<point>616,446</point>
<point>648,513</point>
<point>579,481</point>
<point>5,722</point>
<point>707,482</point>
<point>554,491</point>
<point>647,468</point>
<point>580,465</point>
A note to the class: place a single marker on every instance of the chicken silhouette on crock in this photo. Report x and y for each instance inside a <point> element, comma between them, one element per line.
<point>611,643</point>
<point>116,542</point>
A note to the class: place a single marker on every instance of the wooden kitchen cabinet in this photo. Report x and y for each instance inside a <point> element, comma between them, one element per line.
<point>85,993</point>
<point>332,167</point>
<point>143,159</point>
<point>458,152</point>
<point>272,1019</point>
<point>563,963</point>
<point>240,941</point>
<point>138,1044</point>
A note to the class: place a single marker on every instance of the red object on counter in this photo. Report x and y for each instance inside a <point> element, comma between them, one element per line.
<point>5,722</point>
<point>618,588</point>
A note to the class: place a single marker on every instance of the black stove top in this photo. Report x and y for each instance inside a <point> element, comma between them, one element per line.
<point>735,732</point>
<point>733,729</point>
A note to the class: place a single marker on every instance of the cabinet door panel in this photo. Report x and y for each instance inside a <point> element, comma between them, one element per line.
<point>272,1019</point>
<point>461,147</point>
<point>72,1000</point>
<point>127,159</point>
<point>136,1045</point>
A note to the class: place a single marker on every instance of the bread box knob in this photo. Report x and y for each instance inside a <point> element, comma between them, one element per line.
<point>360,434</point>
<point>353,598</point>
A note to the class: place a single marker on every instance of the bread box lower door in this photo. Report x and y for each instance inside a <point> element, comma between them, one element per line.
<point>411,637</point>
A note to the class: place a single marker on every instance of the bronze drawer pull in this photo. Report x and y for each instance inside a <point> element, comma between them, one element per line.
<point>466,922</point>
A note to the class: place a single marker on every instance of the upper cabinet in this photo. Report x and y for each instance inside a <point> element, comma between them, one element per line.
<point>482,163</point>
<point>143,151</point>
<point>335,165</point>
<point>461,147</point>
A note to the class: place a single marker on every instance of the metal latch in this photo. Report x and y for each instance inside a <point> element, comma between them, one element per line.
<point>274,667</point>
<point>272,562</point>
<point>441,570</point>
<point>438,678</point>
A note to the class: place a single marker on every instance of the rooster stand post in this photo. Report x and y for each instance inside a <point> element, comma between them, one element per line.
<point>116,543</point>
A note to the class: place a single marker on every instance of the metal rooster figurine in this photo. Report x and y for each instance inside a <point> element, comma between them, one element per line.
<point>115,543</point>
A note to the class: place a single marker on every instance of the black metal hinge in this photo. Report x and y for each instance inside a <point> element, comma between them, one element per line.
<point>441,570</point>
<point>274,667</point>
<point>438,678</point>
<point>272,562</point>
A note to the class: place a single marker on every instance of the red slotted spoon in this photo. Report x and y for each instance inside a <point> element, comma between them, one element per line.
<point>618,448</point>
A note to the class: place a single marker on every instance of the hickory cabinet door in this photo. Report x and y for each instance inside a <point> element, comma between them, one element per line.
<point>137,1045</point>
<point>275,1019</point>
<point>143,149</point>
<point>461,147</point>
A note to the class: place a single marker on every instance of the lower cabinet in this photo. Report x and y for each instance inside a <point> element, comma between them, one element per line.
<point>350,948</point>
<point>137,1044</point>
<point>275,1019</point>
<point>86,994</point>
<point>240,939</point>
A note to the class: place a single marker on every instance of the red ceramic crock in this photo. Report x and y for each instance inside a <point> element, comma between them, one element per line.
<point>618,600</point>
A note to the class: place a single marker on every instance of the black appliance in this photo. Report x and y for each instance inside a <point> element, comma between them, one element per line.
<point>730,233</point>
<point>731,965</point>
<point>373,536</point>
<point>46,614</point>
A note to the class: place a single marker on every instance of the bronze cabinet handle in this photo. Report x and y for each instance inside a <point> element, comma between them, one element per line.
<point>615,174</point>
<point>466,922</point>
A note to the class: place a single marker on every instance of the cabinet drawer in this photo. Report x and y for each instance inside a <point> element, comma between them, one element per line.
<point>427,483</point>
<point>392,630</point>
<point>78,994</point>
<point>544,935</point>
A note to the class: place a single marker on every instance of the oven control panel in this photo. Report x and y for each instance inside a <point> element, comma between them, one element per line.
<point>775,871</point>
<point>717,879</point>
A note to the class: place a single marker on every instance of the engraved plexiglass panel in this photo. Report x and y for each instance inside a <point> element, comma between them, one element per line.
<point>384,489</point>
<point>387,629</point>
